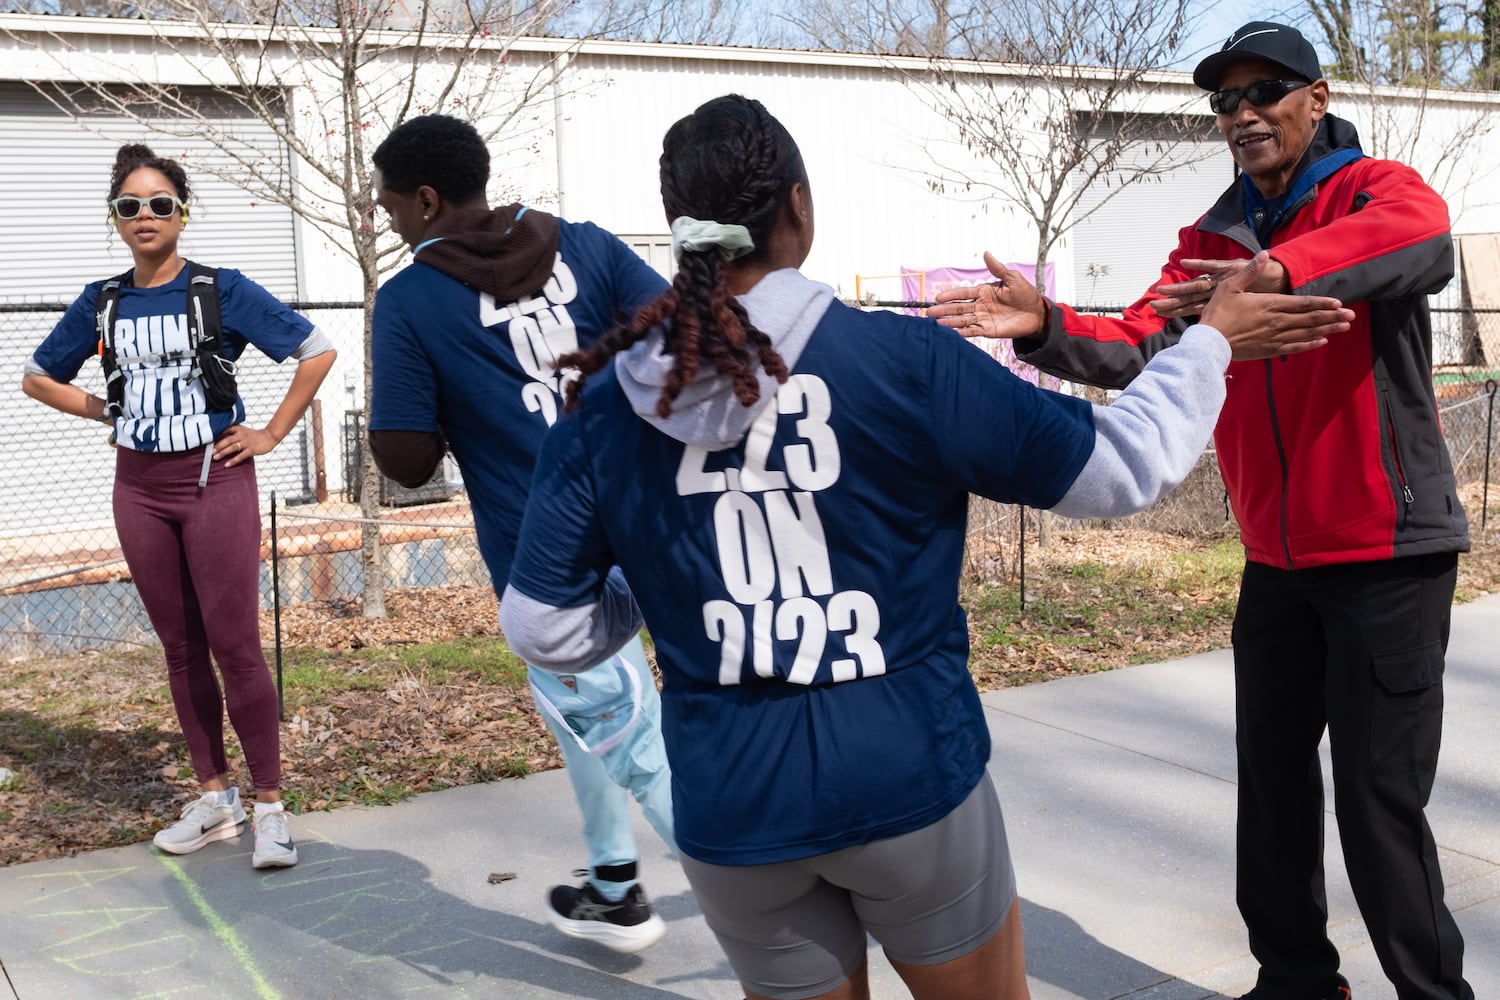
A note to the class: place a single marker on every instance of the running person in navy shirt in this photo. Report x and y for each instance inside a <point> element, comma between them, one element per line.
<point>187,510</point>
<point>464,341</point>
<point>784,481</point>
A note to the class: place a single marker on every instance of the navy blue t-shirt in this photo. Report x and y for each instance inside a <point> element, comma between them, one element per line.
<point>802,587</point>
<point>449,358</point>
<point>165,409</point>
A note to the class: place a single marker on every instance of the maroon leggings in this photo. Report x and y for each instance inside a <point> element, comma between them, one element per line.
<point>195,557</point>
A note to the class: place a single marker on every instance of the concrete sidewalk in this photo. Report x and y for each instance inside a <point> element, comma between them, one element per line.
<point>1119,796</point>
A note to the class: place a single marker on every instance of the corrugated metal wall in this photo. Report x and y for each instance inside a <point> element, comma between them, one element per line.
<point>864,136</point>
<point>62,170</point>
<point>1127,232</point>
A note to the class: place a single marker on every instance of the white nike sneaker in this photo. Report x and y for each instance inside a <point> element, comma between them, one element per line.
<point>273,840</point>
<point>212,816</point>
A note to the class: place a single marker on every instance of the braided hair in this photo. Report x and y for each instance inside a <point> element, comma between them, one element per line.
<point>730,162</point>
<point>133,156</point>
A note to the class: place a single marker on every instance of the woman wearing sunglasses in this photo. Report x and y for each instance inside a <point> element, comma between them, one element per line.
<point>185,500</point>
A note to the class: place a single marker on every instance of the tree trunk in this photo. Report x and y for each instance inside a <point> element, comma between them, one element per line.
<point>373,563</point>
<point>1043,517</point>
<point>1489,60</point>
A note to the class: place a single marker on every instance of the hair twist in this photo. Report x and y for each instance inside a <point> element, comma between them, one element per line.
<point>731,162</point>
<point>135,156</point>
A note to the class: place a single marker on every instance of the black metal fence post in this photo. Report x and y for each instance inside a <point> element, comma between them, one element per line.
<point>1489,436</point>
<point>276,604</point>
<point>1022,520</point>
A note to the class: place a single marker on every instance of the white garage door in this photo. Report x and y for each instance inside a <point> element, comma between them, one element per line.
<point>55,236</point>
<point>1118,251</point>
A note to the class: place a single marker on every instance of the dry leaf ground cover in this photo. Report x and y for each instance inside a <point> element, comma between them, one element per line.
<point>376,711</point>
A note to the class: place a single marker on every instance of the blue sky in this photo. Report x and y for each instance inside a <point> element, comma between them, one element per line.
<point>1214,21</point>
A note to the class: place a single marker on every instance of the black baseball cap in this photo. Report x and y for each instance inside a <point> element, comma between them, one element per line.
<point>1275,43</point>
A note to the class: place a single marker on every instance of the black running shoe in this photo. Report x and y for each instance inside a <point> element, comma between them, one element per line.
<point>627,926</point>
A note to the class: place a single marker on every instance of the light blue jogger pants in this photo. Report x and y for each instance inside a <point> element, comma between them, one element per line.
<point>610,736</point>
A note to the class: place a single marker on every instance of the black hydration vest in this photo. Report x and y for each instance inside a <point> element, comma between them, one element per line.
<point>205,340</point>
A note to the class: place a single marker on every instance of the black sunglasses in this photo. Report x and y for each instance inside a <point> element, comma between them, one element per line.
<point>1261,94</point>
<point>163,206</point>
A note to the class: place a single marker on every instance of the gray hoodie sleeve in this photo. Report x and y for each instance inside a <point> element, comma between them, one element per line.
<point>570,640</point>
<point>1148,440</point>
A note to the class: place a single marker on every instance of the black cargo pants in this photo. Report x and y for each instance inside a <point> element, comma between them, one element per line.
<point>1358,649</point>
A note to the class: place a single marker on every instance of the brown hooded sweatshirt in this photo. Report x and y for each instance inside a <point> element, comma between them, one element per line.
<point>506,252</point>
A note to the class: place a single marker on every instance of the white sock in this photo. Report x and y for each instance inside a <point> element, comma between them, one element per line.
<point>261,808</point>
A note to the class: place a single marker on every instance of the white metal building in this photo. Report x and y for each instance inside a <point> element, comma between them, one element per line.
<point>869,140</point>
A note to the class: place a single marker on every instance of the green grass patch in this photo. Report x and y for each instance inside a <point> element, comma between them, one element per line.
<point>1218,564</point>
<point>1099,613</point>
<point>1084,572</point>
<point>315,673</point>
<point>482,658</point>
<point>365,789</point>
<point>34,737</point>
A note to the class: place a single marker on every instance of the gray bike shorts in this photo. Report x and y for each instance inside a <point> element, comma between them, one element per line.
<point>796,929</point>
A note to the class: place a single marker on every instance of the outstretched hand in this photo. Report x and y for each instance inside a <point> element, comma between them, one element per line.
<point>1266,325</point>
<point>1007,307</point>
<point>1187,298</point>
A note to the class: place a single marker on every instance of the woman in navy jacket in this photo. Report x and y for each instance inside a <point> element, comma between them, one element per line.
<point>784,482</point>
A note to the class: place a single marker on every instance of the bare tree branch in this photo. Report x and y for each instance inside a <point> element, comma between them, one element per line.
<point>1397,56</point>
<point>1088,99</point>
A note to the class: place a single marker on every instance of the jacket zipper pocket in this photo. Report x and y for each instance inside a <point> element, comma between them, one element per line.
<point>1395,441</point>
<point>1286,545</point>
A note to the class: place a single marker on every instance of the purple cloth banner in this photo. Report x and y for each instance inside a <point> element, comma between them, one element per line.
<point>919,285</point>
<point>938,278</point>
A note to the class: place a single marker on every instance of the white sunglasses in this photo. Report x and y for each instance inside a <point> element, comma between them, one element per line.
<point>163,206</point>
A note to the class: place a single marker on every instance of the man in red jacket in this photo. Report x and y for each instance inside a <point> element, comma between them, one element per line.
<point>1346,500</point>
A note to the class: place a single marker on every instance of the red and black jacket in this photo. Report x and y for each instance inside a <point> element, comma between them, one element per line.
<point>1334,455</point>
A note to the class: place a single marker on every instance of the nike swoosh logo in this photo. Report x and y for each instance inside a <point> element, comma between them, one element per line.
<point>285,846</point>
<point>212,826</point>
<point>1236,41</point>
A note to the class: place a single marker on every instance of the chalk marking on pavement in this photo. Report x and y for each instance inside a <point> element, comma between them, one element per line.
<point>116,917</point>
<point>226,935</point>
<point>81,880</point>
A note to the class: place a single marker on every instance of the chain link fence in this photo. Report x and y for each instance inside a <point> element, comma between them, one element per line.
<point>64,586</point>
